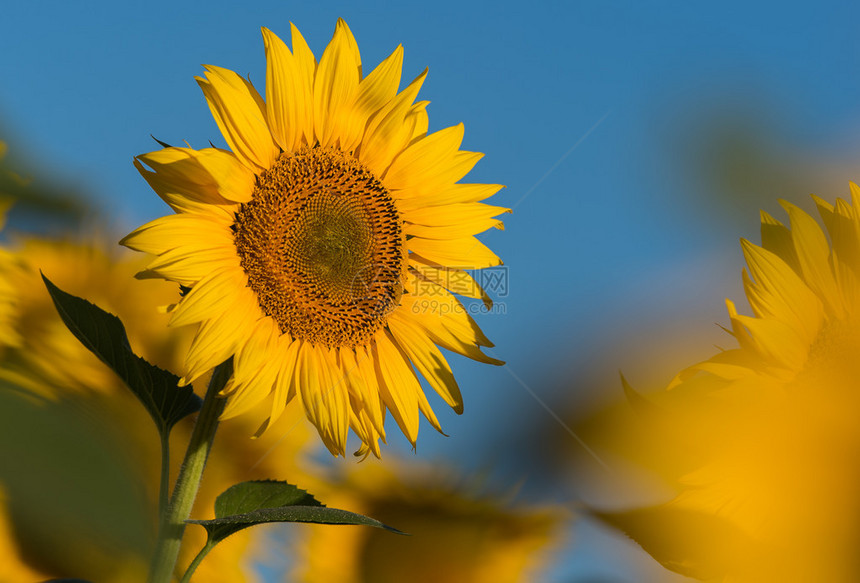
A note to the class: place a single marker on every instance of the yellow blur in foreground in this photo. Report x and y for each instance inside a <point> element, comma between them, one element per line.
<point>83,458</point>
<point>456,534</point>
<point>762,441</point>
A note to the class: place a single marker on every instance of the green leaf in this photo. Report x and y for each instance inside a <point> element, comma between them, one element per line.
<point>261,502</point>
<point>250,496</point>
<point>104,335</point>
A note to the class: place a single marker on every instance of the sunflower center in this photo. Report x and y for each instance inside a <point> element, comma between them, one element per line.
<point>322,244</point>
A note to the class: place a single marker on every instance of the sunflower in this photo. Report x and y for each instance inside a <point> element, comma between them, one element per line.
<point>316,253</point>
<point>761,441</point>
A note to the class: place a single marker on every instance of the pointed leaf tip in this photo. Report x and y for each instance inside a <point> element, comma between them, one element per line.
<point>104,335</point>
<point>160,143</point>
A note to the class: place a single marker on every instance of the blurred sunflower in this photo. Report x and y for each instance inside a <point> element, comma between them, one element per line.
<point>7,291</point>
<point>762,440</point>
<point>67,420</point>
<point>317,251</point>
<point>457,534</point>
<point>48,360</point>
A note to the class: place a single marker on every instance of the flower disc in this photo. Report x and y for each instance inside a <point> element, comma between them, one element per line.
<point>322,244</point>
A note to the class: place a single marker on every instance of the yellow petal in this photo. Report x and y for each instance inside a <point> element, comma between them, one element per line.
<point>203,181</point>
<point>255,368</point>
<point>172,194</point>
<point>437,216</point>
<point>728,365</point>
<point>213,295</point>
<point>374,92</point>
<point>776,238</point>
<point>336,87</point>
<point>399,387</point>
<point>306,65</point>
<point>738,331</point>
<point>419,313</point>
<point>452,221</point>
<point>827,211</point>
<point>216,340</point>
<point>778,292</point>
<point>188,266</point>
<point>454,280</point>
<point>357,366</point>
<point>454,231</point>
<point>178,231</point>
<point>427,359</point>
<point>387,134</point>
<point>419,120</point>
<point>217,172</point>
<point>436,301</point>
<point>777,341</point>
<point>240,114</point>
<point>427,411</point>
<point>423,157</point>
<point>843,226</point>
<point>324,397</point>
<point>432,179</point>
<point>285,93</point>
<point>287,355</point>
<point>813,255</point>
<point>461,253</point>
<point>366,431</point>
<point>855,195</point>
<point>259,351</point>
<point>453,194</point>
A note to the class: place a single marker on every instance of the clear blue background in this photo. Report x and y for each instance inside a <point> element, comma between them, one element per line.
<point>636,141</point>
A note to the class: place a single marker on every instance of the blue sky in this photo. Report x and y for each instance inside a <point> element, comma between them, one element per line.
<point>607,121</point>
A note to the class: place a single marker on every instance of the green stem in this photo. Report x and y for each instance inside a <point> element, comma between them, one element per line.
<point>188,482</point>
<point>186,578</point>
<point>164,482</point>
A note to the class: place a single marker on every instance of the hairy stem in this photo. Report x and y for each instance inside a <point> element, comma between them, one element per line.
<point>164,481</point>
<point>173,523</point>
